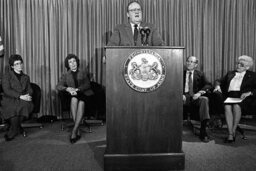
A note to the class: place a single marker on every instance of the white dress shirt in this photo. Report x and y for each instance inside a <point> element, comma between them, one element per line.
<point>132,25</point>
<point>235,83</point>
<point>187,80</point>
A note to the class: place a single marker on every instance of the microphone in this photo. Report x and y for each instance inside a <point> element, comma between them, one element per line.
<point>142,33</point>
<point>147,31</point>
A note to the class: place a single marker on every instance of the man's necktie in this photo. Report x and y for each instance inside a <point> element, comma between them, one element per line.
<point>135,36</point>
<point>190,84</point>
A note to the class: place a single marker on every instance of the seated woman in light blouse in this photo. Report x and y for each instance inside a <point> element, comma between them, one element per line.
<point>76,83</point>
<point>240,83</point>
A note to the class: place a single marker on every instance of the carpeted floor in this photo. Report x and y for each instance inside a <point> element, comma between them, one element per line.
<point>49,149</point>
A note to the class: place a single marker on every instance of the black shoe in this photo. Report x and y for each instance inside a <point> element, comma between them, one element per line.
<point>8,138</point>
<point>228,140</point>
<point>203,136</point>
<point>205,139</point>
<point>73,140</point>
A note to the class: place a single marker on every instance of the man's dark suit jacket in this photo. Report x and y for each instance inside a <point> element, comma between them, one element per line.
<point>123,36</point>
<point>83,82</point>
<point>199,82</point>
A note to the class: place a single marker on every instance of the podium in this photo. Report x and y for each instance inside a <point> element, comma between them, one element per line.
<point>144,108</point>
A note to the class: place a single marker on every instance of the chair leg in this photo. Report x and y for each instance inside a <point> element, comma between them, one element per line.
<point>87,125</point>
<point>24,133</point>
<point>90,129</point>
<point>66,124</point>
<point>187,121</point>
<point>62,127</point>
<point>241,131</point>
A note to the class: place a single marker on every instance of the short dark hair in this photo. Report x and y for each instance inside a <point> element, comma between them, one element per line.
<point>70,56</point>
<point>13,58</point>
<point>127,7</point>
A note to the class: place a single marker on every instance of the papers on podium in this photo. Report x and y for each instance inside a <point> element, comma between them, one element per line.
<point>233,100</point>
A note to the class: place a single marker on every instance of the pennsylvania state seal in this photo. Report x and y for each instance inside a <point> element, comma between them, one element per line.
<point>144,70</point>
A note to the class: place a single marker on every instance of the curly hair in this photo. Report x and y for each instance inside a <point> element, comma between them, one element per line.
<point>70,56</point>
<point>247,59</point>
<point>13,58</point>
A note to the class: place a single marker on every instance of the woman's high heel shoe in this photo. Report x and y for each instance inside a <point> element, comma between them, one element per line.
<point>228,139</point>
<point>72,140</point>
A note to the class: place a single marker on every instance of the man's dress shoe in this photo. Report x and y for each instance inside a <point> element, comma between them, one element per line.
<point>8,138</point>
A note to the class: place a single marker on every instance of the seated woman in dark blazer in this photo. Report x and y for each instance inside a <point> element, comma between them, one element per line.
<point>77,84</point>
<point>240,83</point>
<point>17,97</point>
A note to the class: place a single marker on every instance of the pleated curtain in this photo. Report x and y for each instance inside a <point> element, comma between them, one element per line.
<point>43,32</point>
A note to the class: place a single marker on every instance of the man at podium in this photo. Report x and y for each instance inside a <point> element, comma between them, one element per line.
<point>135,32</point>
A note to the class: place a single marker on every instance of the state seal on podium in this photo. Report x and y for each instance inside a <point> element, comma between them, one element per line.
<point>144,70</point>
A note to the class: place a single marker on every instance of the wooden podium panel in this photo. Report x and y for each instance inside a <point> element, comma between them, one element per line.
<point>144,129</point>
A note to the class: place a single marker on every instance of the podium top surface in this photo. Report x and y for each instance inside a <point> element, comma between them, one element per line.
<point>144,47</point>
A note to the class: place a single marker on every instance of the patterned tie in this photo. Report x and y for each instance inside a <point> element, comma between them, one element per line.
<point>135,36</point>
<point>190,84</point>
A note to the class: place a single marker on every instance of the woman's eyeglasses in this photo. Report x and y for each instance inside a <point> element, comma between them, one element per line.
<point>241,64</point>
<point>18,63</point>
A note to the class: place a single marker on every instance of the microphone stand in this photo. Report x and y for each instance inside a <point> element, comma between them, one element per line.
<point>147,31</point>
<point>142,33</point>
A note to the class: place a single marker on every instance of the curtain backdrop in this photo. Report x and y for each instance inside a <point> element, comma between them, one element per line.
<point>43,32</point>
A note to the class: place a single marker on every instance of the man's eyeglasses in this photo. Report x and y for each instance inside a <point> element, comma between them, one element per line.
<point>191,62</point>
<point>135,10</point>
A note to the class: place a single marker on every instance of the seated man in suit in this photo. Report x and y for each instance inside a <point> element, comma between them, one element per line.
<point>135,32</point>
<point>195,85</point>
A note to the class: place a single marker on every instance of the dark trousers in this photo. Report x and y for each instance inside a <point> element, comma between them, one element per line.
<point>201,104</point>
